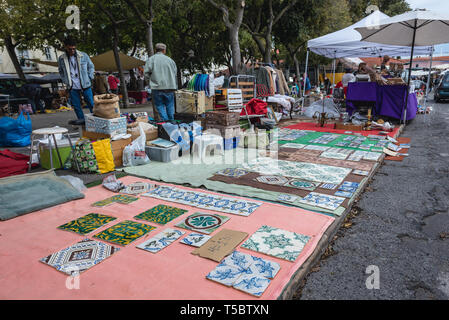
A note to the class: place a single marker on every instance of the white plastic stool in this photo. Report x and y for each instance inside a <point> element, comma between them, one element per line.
<point>50,132</point>
<point>201,143</point>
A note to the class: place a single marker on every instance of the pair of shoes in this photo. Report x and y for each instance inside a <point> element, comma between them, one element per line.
<point>78,122</point>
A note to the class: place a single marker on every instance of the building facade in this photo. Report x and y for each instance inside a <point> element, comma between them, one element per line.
<point>48,54</point>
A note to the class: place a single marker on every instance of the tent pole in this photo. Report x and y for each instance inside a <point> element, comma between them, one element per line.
<point>404,110</point>
<point>333,79</point>
<point>305,73</point>
<point>428,78</point>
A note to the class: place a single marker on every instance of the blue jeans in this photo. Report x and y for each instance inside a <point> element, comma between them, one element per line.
<point>75,100</point>
<point>165,104</point>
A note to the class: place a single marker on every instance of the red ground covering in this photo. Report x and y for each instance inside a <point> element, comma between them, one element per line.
<point>328,128</point>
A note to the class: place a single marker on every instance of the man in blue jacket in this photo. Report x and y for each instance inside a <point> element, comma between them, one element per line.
<point>77,72</point>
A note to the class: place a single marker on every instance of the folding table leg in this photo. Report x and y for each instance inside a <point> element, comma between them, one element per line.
<point>73,152</point>
<point>57,150</point>
<point>31,153</point>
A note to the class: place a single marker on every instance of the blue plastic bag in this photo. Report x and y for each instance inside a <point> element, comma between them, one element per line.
<point>15,132</point>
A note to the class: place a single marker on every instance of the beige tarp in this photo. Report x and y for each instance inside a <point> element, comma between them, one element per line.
<point>105,62</point>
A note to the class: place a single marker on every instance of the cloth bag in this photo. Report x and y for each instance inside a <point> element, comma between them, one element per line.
<point>85,156</point>
<point>107,106</point>
<point>103,154</point>
<point>15,132</point>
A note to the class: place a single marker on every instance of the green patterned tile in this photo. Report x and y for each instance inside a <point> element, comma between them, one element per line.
<point>87,223</point>
<point>161,214</point>
<point>203,222</point>
<point>124,232</point>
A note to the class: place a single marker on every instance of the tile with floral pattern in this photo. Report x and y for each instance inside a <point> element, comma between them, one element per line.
<point>276,242</point>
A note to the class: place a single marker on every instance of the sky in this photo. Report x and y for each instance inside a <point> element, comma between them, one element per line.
<point>441,6</point>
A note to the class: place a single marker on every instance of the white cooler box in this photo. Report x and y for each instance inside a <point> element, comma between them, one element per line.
<point>113,127</point>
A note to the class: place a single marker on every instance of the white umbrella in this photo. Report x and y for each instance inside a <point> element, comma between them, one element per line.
<point>413,28</point>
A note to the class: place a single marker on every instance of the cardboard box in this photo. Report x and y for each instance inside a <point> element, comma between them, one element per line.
<point>95,135</point>
<point>350,127</point>
<point>191,102</point>
<point>150,134</point>
<point>117,150</point>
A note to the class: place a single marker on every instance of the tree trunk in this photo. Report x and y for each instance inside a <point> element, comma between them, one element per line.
<point>10,47</point>
<point>298,73</point>
<point>123,88</point>
<point>235,48</point>
<point>150,29</point>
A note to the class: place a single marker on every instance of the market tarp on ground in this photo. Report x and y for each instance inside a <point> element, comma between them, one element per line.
<point>131,273</point>
<point>389,100</point>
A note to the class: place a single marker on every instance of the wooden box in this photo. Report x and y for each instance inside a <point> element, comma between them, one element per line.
<point>191,102</point>
<point>348,127</point>
<point>223,118</point>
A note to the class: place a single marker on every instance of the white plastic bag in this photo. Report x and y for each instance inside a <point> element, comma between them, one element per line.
<point>134,153</point>
<point>77,183</point>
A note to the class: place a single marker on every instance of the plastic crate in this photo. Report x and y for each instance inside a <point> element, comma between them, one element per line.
<point>162,154</point>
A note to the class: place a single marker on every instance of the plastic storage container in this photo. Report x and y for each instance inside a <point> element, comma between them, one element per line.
<point>162,154</point>
<point>64,151</point>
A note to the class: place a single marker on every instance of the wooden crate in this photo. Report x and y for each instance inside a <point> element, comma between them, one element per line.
<point>190,102</point>
<point>247,87</point>
<point>348,127</point>
<point>224,118</point>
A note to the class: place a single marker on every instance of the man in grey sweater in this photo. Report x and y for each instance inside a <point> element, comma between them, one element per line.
<point>161,71</point>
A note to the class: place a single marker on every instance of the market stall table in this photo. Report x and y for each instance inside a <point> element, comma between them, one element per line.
<point>388,100</point>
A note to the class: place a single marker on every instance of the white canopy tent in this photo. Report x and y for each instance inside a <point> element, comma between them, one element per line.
<point>346,43</point>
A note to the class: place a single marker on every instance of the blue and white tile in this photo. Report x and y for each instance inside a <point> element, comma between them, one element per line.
<point>329,186</point>
<point>238,260</point>
<point>345,194</point>
<point>322,200</point>
<point>195,239</point>
<point>161,240</point>
<point>372,156</point>
<point>226,275</point>
<point>350,184</point>
<point>317,148</point>
<point>287,198</point>
<point>333,155</point>
<point>264,267</point>
<point>252,284</point>
<point>293,145</point>
<point>360,172</point>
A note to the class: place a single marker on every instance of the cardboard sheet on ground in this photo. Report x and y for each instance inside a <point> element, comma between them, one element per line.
<point>131,273</point>
<point>221,244</point>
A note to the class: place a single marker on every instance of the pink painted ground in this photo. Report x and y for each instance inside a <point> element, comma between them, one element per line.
<point>131,273</point>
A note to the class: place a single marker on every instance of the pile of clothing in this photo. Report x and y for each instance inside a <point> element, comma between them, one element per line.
<point>269,81</point>
<point>202,82</point>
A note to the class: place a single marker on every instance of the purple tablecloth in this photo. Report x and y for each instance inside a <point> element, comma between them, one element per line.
<point>388,100</point>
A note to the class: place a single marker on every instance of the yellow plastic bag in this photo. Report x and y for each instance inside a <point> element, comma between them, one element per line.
<point>103,153</point>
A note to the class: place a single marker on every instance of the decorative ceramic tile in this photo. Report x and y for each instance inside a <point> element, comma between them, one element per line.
<point>80,256</point>
<point>161,240</point>
<point>360,172</point>
<point>348,187</point>
<point>313,147</point>
<point>322,200</point>
<point>137,188</point>
<point>252,284</point>
<point>161,214</point>
<point>195,239</point>
<point>345,194</point>
<point>293,145</point>
<point>238,260</point>
<point>123,199</point>
<point>287,198</point>
<point>365,147</point>
<point>301,184</point>
<point>225,275</point>
<point>267,268</point>
<point>203,222</point>
<point>205,200</point>
<point>301,170</point>
<point>329,186</point>
<point>233,172</point>
<point>372,156</point>
<point>277,242</point>
<point>87,223</point>
<point>404,146</point>
<point>334,155</point>
<point>125,232</point>
<point>275,180</point>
